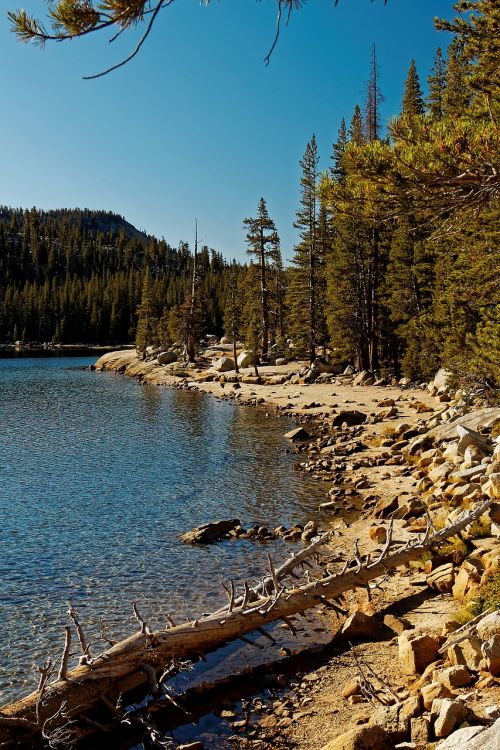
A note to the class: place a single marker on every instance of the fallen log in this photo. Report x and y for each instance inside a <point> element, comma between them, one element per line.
<point>99,681</point>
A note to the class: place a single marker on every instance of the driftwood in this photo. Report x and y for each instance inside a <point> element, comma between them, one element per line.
<point>98,682</point>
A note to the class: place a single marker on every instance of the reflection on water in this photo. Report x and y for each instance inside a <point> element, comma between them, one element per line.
<point>98,477</point>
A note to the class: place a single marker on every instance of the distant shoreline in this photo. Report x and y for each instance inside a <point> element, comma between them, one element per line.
<point>58,350</point>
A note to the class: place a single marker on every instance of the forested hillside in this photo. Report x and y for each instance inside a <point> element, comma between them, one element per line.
<point>76,276</point>
<point>397,266</point>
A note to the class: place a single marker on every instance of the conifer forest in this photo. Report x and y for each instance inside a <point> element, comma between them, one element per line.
<point>396,268</point>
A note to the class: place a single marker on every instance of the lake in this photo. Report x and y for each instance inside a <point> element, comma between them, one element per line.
<point>98,477</point>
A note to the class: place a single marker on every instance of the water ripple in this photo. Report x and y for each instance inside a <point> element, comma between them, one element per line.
<point>98,475</point>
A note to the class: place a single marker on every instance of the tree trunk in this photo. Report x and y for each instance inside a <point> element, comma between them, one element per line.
<point>190,333</point>
<point>264,296</point>
<point>234,352</point>
<point>374,313</point>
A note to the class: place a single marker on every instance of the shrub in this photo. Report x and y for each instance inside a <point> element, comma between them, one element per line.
<point>488,597</point>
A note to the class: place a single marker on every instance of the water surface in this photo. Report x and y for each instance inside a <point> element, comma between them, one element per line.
<point>98,476</point>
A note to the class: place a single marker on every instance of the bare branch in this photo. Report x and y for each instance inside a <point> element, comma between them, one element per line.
<point>140,620</point>
<point>278,27</point>
<point>79,630</point>
<point>161,4</point>
<point>63,669</point>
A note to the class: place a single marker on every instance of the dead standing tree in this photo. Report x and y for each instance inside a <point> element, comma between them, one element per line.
<point>98,682</point>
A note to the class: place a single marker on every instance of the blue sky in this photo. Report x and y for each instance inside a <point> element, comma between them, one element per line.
<point>196,125</point>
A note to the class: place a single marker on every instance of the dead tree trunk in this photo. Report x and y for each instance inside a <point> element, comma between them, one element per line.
<point>132,661</point>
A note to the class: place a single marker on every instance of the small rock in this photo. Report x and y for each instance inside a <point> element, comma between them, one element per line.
<point>469,438</point>
<point>368,737</point>
<point>449,626</point>
<point>449,713</point>
<point>396,624</point>
<point>467,652</point>
<point>350,417</point>
<point>351,688</point>
<point>310,531</point>
<point>491,652</point>
<point>454,677</point>
<point>359,625</point>
<point>330,505</point>
<point>492,486</point>
<point>411,508</point>
<point>361,378</point>
<point>432,692</point>
<point>240,724</point>
<point>465,583</point>
<point>393,720</point>
<point>416,652</point>
<point>494,512</point>
<point>388,413</point>
<point>472,471</point>
<point>357,698</point>
<point>492,712</point>
<point>209,532</point>
<point>385,507</point>
<point>245,359</point>
<point>166,358</point>
<point>297,434</point>
<point>420,730</point>
<point>489,626</point>
<point>378,534</point>
<point>442,578</point>
<point>224,364</point>
<point>412,706</point>
<point>313,677</point>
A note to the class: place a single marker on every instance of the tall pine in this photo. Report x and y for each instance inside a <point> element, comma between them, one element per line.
<point>374,99</point>
<point>413,99</point>
<point>338,151</point>
<point>305,276</point>
<point>263,240</point>
<point>437,87</point>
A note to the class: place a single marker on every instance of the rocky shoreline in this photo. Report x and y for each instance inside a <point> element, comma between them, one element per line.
<point>391,455</point>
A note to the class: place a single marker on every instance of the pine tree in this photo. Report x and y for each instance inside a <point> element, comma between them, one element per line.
<point>233,310</point>
<point>413,100</point>
<point>192,311</point>
<point>304,288</point>
<point>355,273</point>
<point>476,26</point>
<point>356,130</point>
<point>437,87</point>
<point>457,95</point>
<point>409,280</point>
<point>338,151</point>
<point>163,330</point>
<point>374,99</point>
<point>262,239</point>
<point>147,321</point>
<point>252,311</point>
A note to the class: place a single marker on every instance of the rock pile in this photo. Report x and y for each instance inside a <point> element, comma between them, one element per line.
<point>436,708</point>
<point>217,531</point>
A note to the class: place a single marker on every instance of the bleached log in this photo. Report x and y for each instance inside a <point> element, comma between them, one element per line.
<point>121,667</point>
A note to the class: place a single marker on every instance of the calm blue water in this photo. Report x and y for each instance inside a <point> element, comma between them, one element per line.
<point>98,475</point>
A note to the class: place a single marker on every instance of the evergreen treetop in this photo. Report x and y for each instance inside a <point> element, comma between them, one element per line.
<point>413,100</point>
